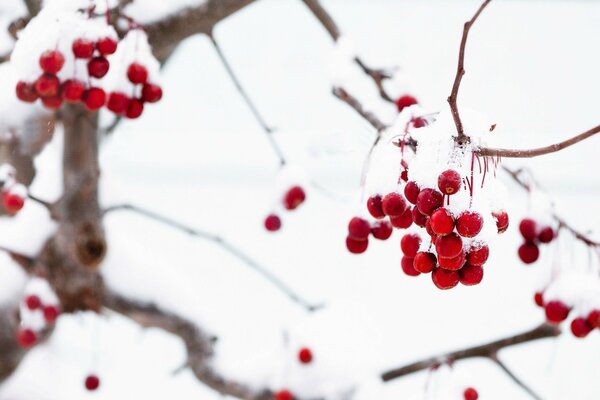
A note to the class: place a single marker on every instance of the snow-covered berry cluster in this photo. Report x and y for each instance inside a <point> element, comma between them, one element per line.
<point>533,234</point>
<point>39,309</point>
<point>13,193</point>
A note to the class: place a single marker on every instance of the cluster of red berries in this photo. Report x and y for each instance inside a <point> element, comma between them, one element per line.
<point>27,337</point>
<point>558,311</point>
<point>533,235</point>
<point>53,92</point>
<point>470,394</point>
<point>292,199</point>
<point>12,198</point>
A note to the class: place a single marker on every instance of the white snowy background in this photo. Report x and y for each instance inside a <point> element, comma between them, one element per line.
<point>199,156</point>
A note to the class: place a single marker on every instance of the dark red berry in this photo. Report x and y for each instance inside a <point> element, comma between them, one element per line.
<point>424,262</point>
<point>594,318</point>
<point>453,264</point>
<point>12,202</point>
<point>52,61</point>
<point>449,182</point>
<point>26,338</point>
<point>444,279</point>
<point>441,222</point>
<point>382,230</point>
<point>546,235</point>
<point>581,327</point>
<point>137,73</point>
<point>556,311</point>
<point>404,175</point>
<point>98,67</point>
<point>411,191</point>
<point>418,217</point>
<point>529,252</point>
<point>92,382</point>
<point>430,231</point>
<point>469,224</point>
<point>538,297</point>
<point>374,206</point>
<point>47,85</point>
<point>272,223</point>
<point>106,46</point>
<point>501,218</point>
<point>428,201</point>
<point>404,221</point>
<point>94,98</point>
<point>470,275</point>
<point>478,254</point>
<point>419,122</point>
<point>305,355</point>
<point>449,246</point>
<point>393,204</point>
<point>151,93</point>
<point>470,394</point>
<point>26,92</point>
<point>72,90</point>
<point>134,109</point>
<point>407,264</point>
<point>284,395</point>
<point>356,246</point>
<point>528,229</point>
<point>294,197</point>
<point>359,229</point>
<point>405,101</point>
<point>83,48</point>
<point>409,244</point>
<point>33,302</point>
<point>118,102</point>
<point>51,314</point>
<point>53,103</point>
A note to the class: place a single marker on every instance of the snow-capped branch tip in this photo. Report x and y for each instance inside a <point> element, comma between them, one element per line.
<point>460,71</point>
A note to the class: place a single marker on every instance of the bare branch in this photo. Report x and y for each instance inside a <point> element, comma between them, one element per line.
<point>515,378</point>
<point>460,71</point>
<point>33,6</point>
<point>346,97</point>
<point>488,350</point>
<point>26,262</point>
<point>232,249</point>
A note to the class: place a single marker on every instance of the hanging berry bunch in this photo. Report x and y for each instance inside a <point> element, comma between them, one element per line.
<point>534,234</point>
<point>13,193</point>
<point>39,309</point>
<point>291,195</point>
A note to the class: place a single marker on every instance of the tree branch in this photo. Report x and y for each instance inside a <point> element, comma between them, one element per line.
<point>460,71</point>
<point>515,378</point>
<point>488,350</point>
<point>347,98</point>
<point>227,246</point>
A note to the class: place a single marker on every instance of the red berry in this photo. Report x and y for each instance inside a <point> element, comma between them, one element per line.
<point>305,355</point>
<point>26,92</point>
<point>294,197</point>
<point>546,235</point>
<point>359,229</point>
<point>72,90</point>
<point>52,61</point>
<point>594,318</point>
<point>382,230</point>
<point>374,206</point>
<point>356,246</point>
<point>92,382</point>
<point>419,122</point>
<point>419,218</point>
<point>538,297</point>
<point>478,254</point>
<point>134,109</point>
<point>393,204</point>
<point>449,246</point>
<point>410,244</point>
<point>26,338</point>
<point>404,175</point>
<point>430,231</point>
<point>470,394</point>
<point>284,395</point>
<point>272,223</point>
<point>94,98</point>
<point>151,93</point>
<point>47,85</point>
<point>469,224</point>
<point>98,67</point>
<point>501,218</point>
<point>12,202</point>
<point>118,102</point>
<point>444,279</point>
<point>51,314</point>
<point>528,229</point>
<point>581,327</point>
<point>137,73</point>
<point>33,302</point>
<point>556,311</point>
<point>449,182</point>
<point>53,103</point>
<point>106,46</point>
<point>424,262</point>
<point>529,252</point>
<point>407,264</point>
<point>405,101</point>
<point>429,200</point>
<point>453,264</point>
<point>403,221</point>
<point>441,222</point>
<point>470,275</point>
<point>411,191</point>
<point>83,48</point>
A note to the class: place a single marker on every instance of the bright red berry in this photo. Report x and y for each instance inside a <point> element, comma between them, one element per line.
<point>404,175</point>
<point>424,262</point>
<point>528,229</point>
<point>26,338</point>
<point>53,103</point>
<point>581,327</point>
<point>429,200</point>
<point>72,90</point>
<point>404,221</point>
<point>538,297</point>
<point>151,93</point>
<point>393,204</point>
<point>546,235</point>
<point>359,229</point>
<point>118,102</point>
<point>454,263</point>
<point>442,222</point>
<point>106,46</point>
<point>137,73</point>
<point>407,264</point>
<point>51,314</point>
<point>294,197</point>
<point>382,230</point>
<point>98,67</point>
<point>405,101</point>
<point>529,252</point>
<point>594,318</point>
<point>26,92</point>
<point>469,224</point>
<point>470,275</point>
<point>411,191</point>
<point>410,244</point>
<point>470,394</point>
<point>52,61</point>
<point>92,382</point>
<point>135,108</point>
<point>478,254</point>
<point>305,355</point>
<point>556,311</point>
<point>356,246</point>
<point>430,231</point>
<point>33,302</point>
<point>449,246</point>
<point>272,223</point>
<point>284,395</point>
<point>47,85</point>
<point>418,217</point>
<point>449,182</point>
<point>374,206</point>
<point>444,279</point>
<point>94,98</point>
<point>83,48</point>
<point>12,202</point>
<point>501,218</point>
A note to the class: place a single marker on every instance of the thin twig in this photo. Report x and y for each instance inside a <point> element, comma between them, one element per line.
<point>460,71</point>
<point>232,249</point>
<point>26,262</point>
<point>346,97</point>
<point>515,378</point>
